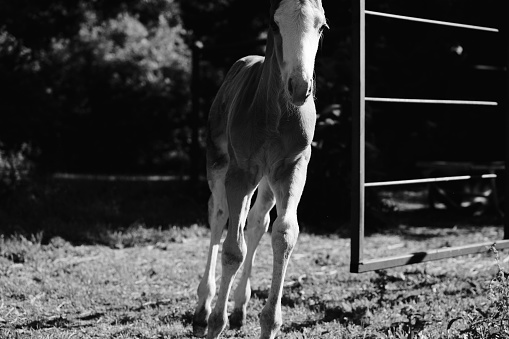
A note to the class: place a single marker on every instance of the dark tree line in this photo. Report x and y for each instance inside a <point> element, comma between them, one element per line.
<point>94,86</point>
<point>104,86</point>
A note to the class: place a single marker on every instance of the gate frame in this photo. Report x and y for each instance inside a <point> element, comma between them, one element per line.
<point>357,262</point>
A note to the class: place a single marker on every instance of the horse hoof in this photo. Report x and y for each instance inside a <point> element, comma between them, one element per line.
<point>237,319</point>
<point>199,330</point>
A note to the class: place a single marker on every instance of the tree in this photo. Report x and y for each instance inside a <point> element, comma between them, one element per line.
<point>94,86</point>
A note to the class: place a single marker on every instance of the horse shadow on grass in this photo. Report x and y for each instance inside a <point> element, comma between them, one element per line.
<point>119,315</point>
<point>84,320</point>
<point>358,315</point>
<point>357,307</point>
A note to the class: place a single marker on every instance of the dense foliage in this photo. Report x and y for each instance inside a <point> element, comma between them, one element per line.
<point>94,86</point>
<point>105,86</point>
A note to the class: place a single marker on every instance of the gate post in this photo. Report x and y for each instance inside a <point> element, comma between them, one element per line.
<point>358,134</point>
<point>358,263</point>
<point>505,110</point>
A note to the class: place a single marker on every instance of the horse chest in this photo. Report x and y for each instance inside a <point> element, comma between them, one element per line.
<point>262,127</point>
<point>260,140</point>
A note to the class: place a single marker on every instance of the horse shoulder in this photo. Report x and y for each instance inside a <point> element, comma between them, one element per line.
<point>223,108</point>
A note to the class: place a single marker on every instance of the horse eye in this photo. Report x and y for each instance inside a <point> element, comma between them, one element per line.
<point>274,26</point>
<point>324,26</point>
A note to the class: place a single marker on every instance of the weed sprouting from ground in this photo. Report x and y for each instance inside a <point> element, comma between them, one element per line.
<point>381,283</point>
<point>491,319</point>
<point>19,249</point>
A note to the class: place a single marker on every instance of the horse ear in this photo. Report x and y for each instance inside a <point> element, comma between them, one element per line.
<point>274,3</point>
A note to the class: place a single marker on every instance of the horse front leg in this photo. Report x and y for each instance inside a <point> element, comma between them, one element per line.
<point>239,186</point>
<point>218,215</point>
<point>258,221</point>
<point>287,185</point>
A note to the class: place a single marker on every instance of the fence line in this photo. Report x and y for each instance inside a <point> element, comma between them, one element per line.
<point>358,263</point>
<point>435,22</point>
<point>433,101</point>
<point>131,178</point>
<point>428,180</point>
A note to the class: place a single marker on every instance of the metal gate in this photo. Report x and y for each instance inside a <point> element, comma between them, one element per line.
<point>358,263</point>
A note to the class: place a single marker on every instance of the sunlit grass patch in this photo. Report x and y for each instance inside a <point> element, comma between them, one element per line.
<point>18,249</point>
<point>142,283</point>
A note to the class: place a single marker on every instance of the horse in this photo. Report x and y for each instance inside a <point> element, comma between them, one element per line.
<point>259,133</point>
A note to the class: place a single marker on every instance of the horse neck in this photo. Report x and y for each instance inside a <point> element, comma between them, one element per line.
<point>271,74</point>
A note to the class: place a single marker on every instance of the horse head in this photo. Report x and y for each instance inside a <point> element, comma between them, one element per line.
<point>296,27</point>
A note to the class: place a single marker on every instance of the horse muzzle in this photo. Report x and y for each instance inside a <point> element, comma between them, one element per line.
<point>299,90</point>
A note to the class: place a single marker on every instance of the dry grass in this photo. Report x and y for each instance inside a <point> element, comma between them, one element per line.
<point>98,260</point>
<point>143,286</point>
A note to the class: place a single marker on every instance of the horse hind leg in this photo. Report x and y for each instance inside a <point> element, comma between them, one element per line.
<point>218,216</point>
<point>240,185</point>
<point>257,224</point>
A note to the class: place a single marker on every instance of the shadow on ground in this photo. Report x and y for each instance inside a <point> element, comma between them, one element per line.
<point>86,211</point>
<point>81,210</point>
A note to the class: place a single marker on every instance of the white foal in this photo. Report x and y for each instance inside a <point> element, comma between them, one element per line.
<point>260,128</point>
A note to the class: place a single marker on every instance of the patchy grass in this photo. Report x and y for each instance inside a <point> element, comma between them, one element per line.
<point>490,320</point>
<point>142,285</point>
<point>123,260</point>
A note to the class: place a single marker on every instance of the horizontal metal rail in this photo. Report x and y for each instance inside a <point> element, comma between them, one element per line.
<point>132,178</point>
<point>419,257</point>
<point>433,101</point>
<point>490,68</point>
<point>358,262</point>
<point>428,180</point>
<point>435,22</point>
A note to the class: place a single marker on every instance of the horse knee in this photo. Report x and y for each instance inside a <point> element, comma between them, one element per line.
<point>258,222</point>
<point>233,255</point>
<point>284,236</point>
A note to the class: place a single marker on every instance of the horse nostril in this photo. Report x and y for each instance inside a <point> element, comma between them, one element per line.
<point>310,88</point>
<point>290,86</point>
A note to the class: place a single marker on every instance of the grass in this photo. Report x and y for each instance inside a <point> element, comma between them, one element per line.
<point>490,320</point>
<point>146,289</point>
<point>97,265</point>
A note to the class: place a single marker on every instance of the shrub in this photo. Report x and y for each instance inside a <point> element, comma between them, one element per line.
<point>15,166</point>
